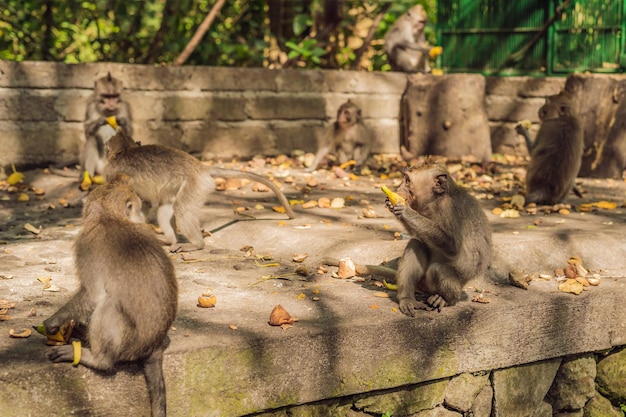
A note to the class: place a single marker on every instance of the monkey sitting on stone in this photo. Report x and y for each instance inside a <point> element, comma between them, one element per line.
<point>556,153</point>
<point>174,183</point>
<point>347,139</point>
<point>128,292</point>
<point>405,43</point>
<point>450,237</point>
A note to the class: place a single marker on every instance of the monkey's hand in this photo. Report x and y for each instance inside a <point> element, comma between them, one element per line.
<point>409,306</point>
<point>436,302</point>
<point>63,353</point>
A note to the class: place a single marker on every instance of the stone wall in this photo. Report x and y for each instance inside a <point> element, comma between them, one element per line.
<point>584,385</point>
<point>220,112</point>
<point>226,112</point>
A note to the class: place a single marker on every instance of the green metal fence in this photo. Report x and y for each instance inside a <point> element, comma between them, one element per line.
<point>531,37</point>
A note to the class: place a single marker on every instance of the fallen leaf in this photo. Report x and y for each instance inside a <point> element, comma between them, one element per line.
<point>300,257</point>
<point>207,302</point>
<point>381,294</point>
<point>279,316</point>
<point>21,334</point>
<point>301,296</point>
<point>571,286</point>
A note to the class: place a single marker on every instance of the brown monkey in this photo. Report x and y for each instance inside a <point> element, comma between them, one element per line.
<point>128,291</point>
<point>173,182</point>
<point>347,139</point>
<point>106,102</point>
<point>450,237</point>
<point>556,153</point>
<point>405,43</point>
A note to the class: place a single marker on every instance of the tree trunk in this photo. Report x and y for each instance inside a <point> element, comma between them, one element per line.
<point>601,107</point>
<point>445,115</point>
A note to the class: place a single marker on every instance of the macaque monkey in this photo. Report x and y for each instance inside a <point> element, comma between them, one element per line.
<point>128,292</point>
<point>556,153</point>
<point>347,139</point>
<point>106,102</point>
<point>450,237</point>
<point>175,183</point>
<point>405,43</point>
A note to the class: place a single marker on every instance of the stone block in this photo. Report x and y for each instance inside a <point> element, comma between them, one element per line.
<point>524,86</point>
<point>611,377</point>
<point>520,390</point>
<point>544,410</point>
<point>505,140</point>
<point>513,109</point>
<point>483,402</point>
<point>574,384</point>
<point>286,107</point>
<point>195,106</point>
<point>463,389</point>
<point>405,402</point>
<point>363,82</point>
<point>600,406</point>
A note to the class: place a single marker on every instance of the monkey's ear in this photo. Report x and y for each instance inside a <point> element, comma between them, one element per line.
<point>441,184</point>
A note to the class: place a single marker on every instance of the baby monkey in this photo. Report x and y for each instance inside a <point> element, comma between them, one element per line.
<point>347,139</point>
<point>450,237</point>
<point>174,183</point>
<point>128,291</point>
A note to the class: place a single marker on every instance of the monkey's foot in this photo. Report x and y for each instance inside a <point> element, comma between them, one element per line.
<point>64,353</point>
<point>409,306</point>
<point>436,302</point>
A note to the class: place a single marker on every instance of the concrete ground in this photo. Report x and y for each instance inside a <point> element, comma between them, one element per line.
<point>228,360</point>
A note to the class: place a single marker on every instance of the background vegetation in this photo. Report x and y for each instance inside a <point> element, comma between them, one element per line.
<point>346,34</point>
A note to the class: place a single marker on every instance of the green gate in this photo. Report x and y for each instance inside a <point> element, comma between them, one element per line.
<point>542,37</point>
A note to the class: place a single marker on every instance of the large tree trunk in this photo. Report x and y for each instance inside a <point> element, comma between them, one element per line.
<point>601,107</point>
<point>445,115</point>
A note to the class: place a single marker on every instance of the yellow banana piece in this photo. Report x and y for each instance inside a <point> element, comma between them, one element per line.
<point>77,351</point>
<point>435,51</point>
<point>86,183</point>
<point>395,198</point>
<point>59,338</point>
<point>392,287</point>
<point>112,121</point>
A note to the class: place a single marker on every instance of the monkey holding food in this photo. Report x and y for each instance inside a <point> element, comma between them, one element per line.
<point>128,292</point>
<point>557,151</point>
<point>405,42</point>
<point>174,183</point>
<point>347,139</point>
<point>450,237</point>
<point>106,103</point>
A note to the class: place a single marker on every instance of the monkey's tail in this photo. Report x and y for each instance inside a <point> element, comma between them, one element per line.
<point>234,173</point>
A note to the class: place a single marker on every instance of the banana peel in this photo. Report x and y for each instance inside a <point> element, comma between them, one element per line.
<point>77,352</point>
<point>389,286</point>
<point>112,121</point>
<point>395,198</point>
<point>16,177</point>
<point>59,338</point>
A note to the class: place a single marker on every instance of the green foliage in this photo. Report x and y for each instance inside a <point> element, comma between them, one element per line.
<point>246,33</point>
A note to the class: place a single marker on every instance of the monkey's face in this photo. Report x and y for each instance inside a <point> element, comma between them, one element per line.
<point>348,115</point>
<point>109,102</point>
<point>423,185</point>
<point>561,104</point>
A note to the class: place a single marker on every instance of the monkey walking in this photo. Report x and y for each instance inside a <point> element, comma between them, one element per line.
<point>405,43</point>
<point>347,139</point>
<point>128,291</point>
<point>556,153</point>
<point>450,237</point>
<point>175,183</point>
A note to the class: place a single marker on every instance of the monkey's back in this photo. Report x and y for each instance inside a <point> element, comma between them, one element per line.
<point>475,233</point>
<point>123,266</point>
<point>158,173</point>
<point>555,160</point>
